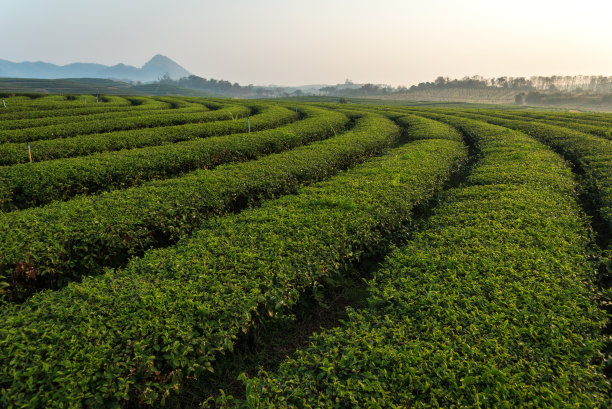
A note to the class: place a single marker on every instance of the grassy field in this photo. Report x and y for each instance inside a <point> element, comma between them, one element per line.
<point>184,252</point>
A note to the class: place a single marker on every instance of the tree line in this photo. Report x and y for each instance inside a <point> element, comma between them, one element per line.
<point>528,86</point>
<point>555,83</point>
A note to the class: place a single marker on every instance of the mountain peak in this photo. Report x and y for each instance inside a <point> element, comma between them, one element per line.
<point>162,64</point>
<point>159,59</point>
<point>152,70</point>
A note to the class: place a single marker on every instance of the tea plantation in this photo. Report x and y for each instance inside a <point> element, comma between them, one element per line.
<point>183,252</point>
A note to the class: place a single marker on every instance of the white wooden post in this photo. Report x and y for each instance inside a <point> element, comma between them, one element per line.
<point>29,152</point>
<point>249,123</point>
<point>4,103</point>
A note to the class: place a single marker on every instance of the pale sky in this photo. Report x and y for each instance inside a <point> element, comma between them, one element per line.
<point>296,42</point>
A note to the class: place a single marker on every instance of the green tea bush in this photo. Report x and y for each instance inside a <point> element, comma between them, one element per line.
<point>170,106</point>
<point>590,153</point>
<point>69,239</point>
<point>59,108</point>
<point>136,334</point>
<point>34,184</point>
<point>219,122</point>
<point>490,304</point>
<point>106,125</point>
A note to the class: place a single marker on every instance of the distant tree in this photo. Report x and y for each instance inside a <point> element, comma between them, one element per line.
<point>165,79</point>
<point>533,97</point>
<point>520,83</point>
<point>501,82</point>
<point>369,89</point>
<point>343,101</point>
<point>519,98</point>
<point>440,82</point>
<point>328,90</point>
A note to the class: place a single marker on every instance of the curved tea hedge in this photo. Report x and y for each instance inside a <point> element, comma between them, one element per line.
<point>64,102</point>
<point>34,184</point>
<point>9,124</point>
<point>105,125</point>
<point>590,153</point>
<point>490,304</point>
<point>417,127</point>
<point>218,122</point>
<point>166,105</point>
<point>114,104</point>
<point>70,239</point>
<point>126,275</point>
<point>598,128</point>
<point>137,333</point>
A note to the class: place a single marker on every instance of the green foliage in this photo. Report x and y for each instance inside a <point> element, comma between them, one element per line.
<point>70,239</point>
<point>597,126</point>
<point>490,304</point>
<point>34,184</point>
<point>105,125</point>
<point>137,333</point>
<point>149,130</point>
<point>50,106</point>
<point>165,107</point>
<point>161,258</point>
<point>590,153</point>
<point>423,128</point>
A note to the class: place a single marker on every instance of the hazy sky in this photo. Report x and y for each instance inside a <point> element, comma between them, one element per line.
<point>294,42</point>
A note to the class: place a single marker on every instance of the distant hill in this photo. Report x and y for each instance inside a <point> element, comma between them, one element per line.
<point>153,70</point>
<point>11,86</point>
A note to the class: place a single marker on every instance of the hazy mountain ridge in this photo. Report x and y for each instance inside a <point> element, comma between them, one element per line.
<point>152,70</point>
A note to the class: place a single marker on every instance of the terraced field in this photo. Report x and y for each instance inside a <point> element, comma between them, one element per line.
<point>183,252</point>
